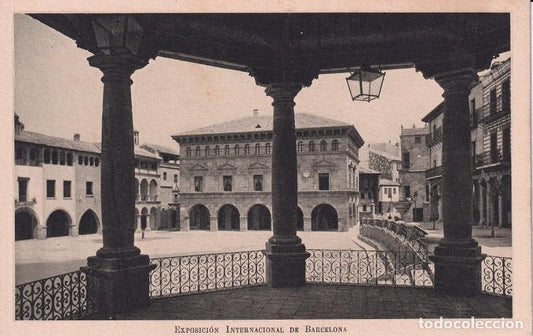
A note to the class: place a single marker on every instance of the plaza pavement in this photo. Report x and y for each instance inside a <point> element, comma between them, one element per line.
<point>37,259</point>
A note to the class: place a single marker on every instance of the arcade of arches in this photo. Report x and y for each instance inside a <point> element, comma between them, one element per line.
<point>257,218</point>
<point>58,224</point>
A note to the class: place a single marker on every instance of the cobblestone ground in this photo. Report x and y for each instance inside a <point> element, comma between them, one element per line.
<point>314,301</point>
<point>37,259</point>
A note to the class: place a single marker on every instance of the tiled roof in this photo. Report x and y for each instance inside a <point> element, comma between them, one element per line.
<point>384,181</point>
<point>365,170</point>
<point>161,149</point>
<point>81,146</point>
<point>415,131</point>
<point>47,140</point>
<point>249,124</point>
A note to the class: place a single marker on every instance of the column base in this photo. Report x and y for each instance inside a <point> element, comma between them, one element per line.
<point>120,284</point>
<point>458,267</point>
<point>285,264</point>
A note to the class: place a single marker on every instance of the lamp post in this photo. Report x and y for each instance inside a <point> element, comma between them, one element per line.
<point>365,84</point>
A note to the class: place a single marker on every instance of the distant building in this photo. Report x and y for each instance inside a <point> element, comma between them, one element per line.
<point>415,162</point>
<point>57,183</point>
<point>226,174</point>
<point>369,192</point>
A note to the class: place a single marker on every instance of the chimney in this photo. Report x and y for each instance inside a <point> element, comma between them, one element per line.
<point>135,137</point>
<point>256,112</point>
<point>77,137</point>
<point>19,127</point>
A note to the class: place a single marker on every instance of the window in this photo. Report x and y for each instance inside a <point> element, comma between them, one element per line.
<point>88,188</point>
<point>323,146</point>
<point>96,162</point>
<point>237,149</point>
<point>427,193</point>
<point>406,160</point>
<point>506,96</point>
<point>20,155</point>
<point>363,195</point>
<point>35,157</point>
<point>207,151</point>
<point>258,182</point>
<point>62,159</point>
<point>50,188</point>
<point>198,151</point>
<point>364,207</point>
<point>407,191</point>
<point>268,147</point>
<point>226,150</point>
<point>80,159</point>
<point>506,138</point>
<point>175,178</point>
<point>217,150</point>
<point>91,161</point>
<point>247,149</point>
<point>66,189</point>
<point>418,139</point>
<point>434,163</point>
<point>494,148</point>
<point>23,189</point>
<point>164,176</point>
<point>492,102</point>
<point>227,183</point>
<point>394,191</point>
<point>153,165</point>
<point>257,149</point>
<point>69,159</point>
<point>323,181</point>
<point>300,146</point>
<point>311,146</point>
<point>85,160</point>
<point>46,155</point>
<point>55,158</point>
<point>335,145</point>
<point>198,183</point>
<point>188,151</point>
<point>473,112</point>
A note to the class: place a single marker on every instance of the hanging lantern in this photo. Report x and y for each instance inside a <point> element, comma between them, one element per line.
<point>117,34</point>
<point>365,84</point>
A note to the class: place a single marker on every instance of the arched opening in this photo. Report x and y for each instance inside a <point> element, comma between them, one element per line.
<point>199,217</point>
<point>25,224</point>
<point>228,218</point>
<point>153,190</point>
<point>144,218</point>
<point>58,224</point>
<point>144,190</point>
<point>506,201</point>
<point>88,223</point>
<point>259,218</point>
<point>299,220</point>
<point>153,218</point>
<point>324,218</point>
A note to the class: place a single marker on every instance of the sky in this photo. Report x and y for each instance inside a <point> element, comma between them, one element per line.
<point>58,93</point>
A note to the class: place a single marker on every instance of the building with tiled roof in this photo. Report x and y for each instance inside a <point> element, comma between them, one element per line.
<point>226,174</point>
<point>57,183</point>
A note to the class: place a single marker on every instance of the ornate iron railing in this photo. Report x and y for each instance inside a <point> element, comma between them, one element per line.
<point>496,276</point>
<point>182,275</point>
<point>361,267</point>
<point>61,297</point>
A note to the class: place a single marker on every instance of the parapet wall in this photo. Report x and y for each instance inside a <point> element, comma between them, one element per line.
<point>393,235</point>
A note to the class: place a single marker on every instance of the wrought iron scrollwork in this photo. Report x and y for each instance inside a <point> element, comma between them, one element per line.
<point>496,274</point>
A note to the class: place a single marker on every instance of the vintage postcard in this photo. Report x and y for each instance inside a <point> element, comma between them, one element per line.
<point>299,168</point>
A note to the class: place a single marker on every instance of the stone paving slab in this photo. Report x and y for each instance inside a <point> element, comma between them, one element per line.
<point>317,301</point>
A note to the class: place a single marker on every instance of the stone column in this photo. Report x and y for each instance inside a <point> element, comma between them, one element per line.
<point>213,225</point>
<point>138,221</point>
<point>307,224</point>
<point>284,250</point>
<point>500,209</point>
<point>243,224</point>
<point>457,257</point>
<point>120,272</point>
<point>148,220</point>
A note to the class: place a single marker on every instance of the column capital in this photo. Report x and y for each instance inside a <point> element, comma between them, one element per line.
<point>268,77</point>
<point>283,93</point>
<point>116,67</point>
<point>456,81</point>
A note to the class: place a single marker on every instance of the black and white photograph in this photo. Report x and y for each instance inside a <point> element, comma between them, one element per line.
<point>279,171</point>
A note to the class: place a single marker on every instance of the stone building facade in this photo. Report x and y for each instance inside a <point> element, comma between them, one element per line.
<point>226,175</point>
<point>368,192</point>
<point>490,111</point>
<point>415,162</point>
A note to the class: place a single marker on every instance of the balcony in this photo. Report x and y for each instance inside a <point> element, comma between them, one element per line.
<point>491,158</point>
<point>487,116</point>
<point>434,172</point>
<point>25,203</point>
<point>434,137</point>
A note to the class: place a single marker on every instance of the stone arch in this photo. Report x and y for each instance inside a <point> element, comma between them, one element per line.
<point>153,218</point>
<point>299,219</point>
<point>259,218</point>
<point>199,217</point>
<point>89,223</point>
<point>228,217</point>
<point>153,190</point>
<point>26,224</point>
<point>58,224</point>
<point>324,218</point>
